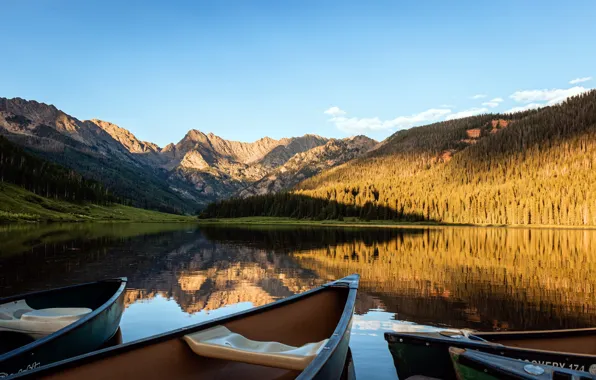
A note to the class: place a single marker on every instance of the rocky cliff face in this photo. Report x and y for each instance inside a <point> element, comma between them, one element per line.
<point>220,168</point>
<point>127,139</point>
<point>282,153</point>
<point>306,164</point>
<point>199,168</point>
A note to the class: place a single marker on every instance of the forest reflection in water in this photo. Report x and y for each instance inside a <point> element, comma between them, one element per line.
<point>481,278</point>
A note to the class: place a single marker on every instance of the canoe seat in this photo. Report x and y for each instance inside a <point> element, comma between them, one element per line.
<point>221,343</point>
<point>19,317</point>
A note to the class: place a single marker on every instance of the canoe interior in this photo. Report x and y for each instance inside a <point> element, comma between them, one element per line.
<point>10,340</point>
<point>311,318</point>
<point>92,296</point>
<point>578,341</point>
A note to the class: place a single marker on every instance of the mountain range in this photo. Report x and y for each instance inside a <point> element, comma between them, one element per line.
<point>525,168</point>
<point>182,177</point>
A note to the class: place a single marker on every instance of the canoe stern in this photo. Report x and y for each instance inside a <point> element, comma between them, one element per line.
<point>419,359</point>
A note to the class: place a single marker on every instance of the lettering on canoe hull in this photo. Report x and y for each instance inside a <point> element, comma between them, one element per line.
<point>28,368</point>
<point>575,367</point>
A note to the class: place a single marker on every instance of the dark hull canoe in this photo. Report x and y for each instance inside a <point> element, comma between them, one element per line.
<point>427,354</point>
<point>105,299</point>
<point>476,365</point>
<point>319,314</point>
<point>349,372</point>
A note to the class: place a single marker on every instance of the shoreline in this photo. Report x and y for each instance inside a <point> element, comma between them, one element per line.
<point>280,221</point>
<point>45,222</point>
<point>10,220</point>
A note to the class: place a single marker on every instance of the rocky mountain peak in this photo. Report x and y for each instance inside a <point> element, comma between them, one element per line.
<point>362,141</point>
<point>126,138</point>
<point>168,148</point>
<point>35,111</point>
<point>33,117</point>
<point>309,162</point>
<point>212,146</point>
<point>194,135</point>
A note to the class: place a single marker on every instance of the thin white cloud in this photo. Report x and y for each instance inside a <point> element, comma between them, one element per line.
<point>553,96</point>
<point>447,106</point>
<point>580,80</point>
<point>361,125</point>
<point>493,102</point>
<point>530,99</point>
<point>335,111</point>
<point>531,106</point>
<point>467,113</point>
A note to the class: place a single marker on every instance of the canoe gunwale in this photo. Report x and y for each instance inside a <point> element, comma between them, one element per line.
<point>536,334</point>
<point>418,339</point>
<point>509,368</point>
<point>80,322</point>
<point>350,281</point>
<point>310,371</point>
<point>342,328</point>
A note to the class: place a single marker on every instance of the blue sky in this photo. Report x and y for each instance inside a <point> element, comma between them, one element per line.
<point>246,69</point>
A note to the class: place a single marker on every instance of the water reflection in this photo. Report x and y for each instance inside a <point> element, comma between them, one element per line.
<point>478,278</point>
<point>160,314</point>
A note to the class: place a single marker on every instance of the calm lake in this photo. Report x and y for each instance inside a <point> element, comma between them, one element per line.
<point>479,278</point>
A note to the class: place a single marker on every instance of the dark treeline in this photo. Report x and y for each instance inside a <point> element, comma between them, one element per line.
<point>300,206</point>
<point>47,179</point>
<point>535,167</point>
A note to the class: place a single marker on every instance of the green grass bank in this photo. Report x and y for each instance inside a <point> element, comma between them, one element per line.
<point>18,205</point>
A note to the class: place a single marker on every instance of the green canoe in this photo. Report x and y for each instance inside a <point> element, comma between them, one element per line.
<point>44,327</point>
<point>427,353</point>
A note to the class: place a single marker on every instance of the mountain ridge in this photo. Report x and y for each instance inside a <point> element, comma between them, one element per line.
<point>306,164</point>
<point>198,169</point>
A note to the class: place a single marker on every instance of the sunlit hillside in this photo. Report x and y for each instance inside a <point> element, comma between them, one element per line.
<point>529,168</point>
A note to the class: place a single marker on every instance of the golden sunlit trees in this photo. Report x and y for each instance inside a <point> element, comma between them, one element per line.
<point>535,168</point>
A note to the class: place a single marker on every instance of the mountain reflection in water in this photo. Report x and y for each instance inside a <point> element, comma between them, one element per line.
<point>480,278</point>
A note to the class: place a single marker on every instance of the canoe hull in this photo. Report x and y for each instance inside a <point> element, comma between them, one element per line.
<point>427,354</point>
<point>411,360</point>
<point>332,367</point>
<point>83,338</point>
<point>467,373</point>
<point>349,372</point>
